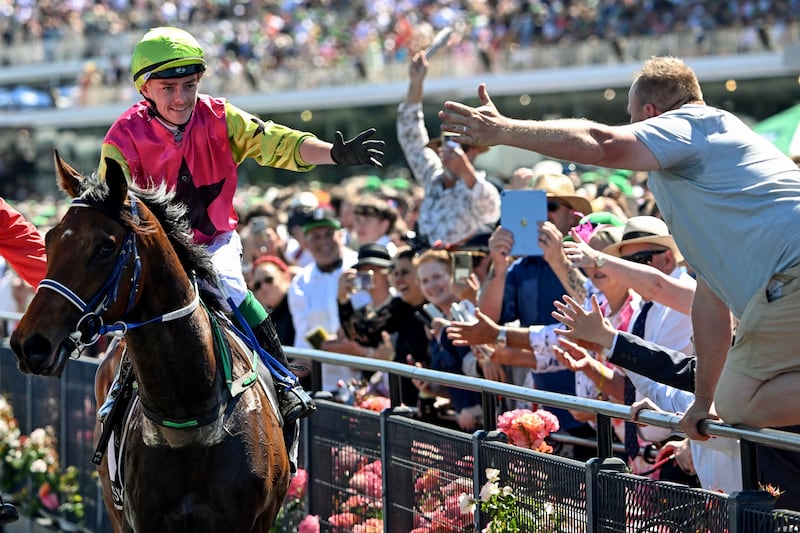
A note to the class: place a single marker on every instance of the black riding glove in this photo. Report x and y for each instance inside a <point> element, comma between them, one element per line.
<point>360,150</point>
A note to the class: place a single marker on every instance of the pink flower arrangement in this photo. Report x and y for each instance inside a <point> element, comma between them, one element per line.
<point>309,524</point>
<point>372,525</point>
<point>528,429</point>
<point>343,521</point>
<point>375,403</point>
<point>297,485</point>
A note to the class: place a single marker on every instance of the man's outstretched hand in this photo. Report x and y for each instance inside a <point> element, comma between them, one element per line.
<point>360,150</point>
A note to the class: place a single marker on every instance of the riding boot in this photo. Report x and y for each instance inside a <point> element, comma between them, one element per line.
<point>293,402</point>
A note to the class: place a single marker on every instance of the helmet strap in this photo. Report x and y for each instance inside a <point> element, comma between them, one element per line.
<point>152,110</point>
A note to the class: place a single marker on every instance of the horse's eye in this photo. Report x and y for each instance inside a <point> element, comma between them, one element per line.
<point>105,250</point>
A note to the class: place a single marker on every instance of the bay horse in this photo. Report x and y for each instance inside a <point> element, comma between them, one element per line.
<point>204,450</point>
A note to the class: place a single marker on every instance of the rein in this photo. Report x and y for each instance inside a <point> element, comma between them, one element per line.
<point>91,324</point>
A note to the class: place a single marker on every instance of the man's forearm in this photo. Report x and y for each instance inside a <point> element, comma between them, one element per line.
<point>490,299</point>
<point>711,321</point>
<point>571,278</point>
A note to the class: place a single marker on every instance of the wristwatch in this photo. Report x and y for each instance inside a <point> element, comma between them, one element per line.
<point>502,337</point>
<point>599,261</point>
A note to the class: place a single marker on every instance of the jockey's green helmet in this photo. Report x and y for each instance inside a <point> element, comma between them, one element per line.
<point>165,53</point>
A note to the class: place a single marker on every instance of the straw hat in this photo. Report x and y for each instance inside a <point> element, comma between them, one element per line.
<point>649,230</point>
<point>559,186</point>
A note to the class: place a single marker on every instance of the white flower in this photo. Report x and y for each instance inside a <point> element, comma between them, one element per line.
<point>548,508</point>
<point>39,437</point>
<point>507,491</point>
<point>38,466</point>
<point>488,490</point>
<point>492,475</point>
<point>466,504</point>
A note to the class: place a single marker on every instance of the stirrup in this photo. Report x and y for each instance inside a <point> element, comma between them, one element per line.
<point>295,403</point>
<point>108,404</point>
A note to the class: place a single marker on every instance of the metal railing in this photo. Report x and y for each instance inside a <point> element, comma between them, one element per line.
<point>594,496</point>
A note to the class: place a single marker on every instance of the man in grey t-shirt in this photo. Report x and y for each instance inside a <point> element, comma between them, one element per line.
<point>731,200</point>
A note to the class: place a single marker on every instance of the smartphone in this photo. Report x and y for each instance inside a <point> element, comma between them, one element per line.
<point>447,140</point>
<point>432,311</point>
<point>439,41</point>
<point>363,281</point>
<point>316,337</point>
<point>462,265</point>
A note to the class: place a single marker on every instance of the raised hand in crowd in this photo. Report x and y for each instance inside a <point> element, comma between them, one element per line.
<point>479,126</point>
<point>581,325</point>
<point>484,331</point>
<point>467,288</point>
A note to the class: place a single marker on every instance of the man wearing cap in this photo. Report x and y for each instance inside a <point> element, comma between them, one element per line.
<point>730,198</point>
<point>526,289</point>
<point>458,198</point>
<point>313,292</point>
<point>370,274</point>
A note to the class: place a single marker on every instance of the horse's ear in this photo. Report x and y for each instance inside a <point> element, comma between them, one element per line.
<point>69,180</point>
<point>116,181</point>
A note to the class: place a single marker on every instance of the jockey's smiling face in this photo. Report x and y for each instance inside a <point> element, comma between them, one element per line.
<point>174,98</point>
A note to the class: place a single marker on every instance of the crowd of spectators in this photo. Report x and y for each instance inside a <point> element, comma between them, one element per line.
<point>250,39</point>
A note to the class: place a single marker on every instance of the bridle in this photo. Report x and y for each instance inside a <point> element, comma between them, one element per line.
<point>91,325</point>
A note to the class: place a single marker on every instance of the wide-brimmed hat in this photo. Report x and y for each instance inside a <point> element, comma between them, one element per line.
<point>560,186</point>
<point>375,255</point>
<point>646,229</point>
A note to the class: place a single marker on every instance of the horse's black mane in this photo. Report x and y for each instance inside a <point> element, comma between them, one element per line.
<point>172,217</point>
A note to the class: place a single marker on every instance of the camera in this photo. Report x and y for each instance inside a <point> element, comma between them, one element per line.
<point>363,281</point>
<point>462,265</point>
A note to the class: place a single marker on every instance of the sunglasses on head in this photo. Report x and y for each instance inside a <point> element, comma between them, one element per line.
<point>267,280</point>
<point>643,258</point>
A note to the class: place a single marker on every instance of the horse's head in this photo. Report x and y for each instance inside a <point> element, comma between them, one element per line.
<point>83,253</point>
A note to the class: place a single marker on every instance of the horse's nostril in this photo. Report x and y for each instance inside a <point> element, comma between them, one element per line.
<point>36,351</point>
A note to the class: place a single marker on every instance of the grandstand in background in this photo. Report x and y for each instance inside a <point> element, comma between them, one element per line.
<point>588,78</point>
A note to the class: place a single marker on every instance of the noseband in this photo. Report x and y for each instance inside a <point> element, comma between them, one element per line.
<point>91,325</point>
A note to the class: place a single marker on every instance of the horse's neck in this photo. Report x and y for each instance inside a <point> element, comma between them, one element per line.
<point>176,367</point>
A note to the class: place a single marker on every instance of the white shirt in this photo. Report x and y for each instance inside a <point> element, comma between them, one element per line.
<point>718,460</point>
<point>669,328</point>
<point>312,302</point>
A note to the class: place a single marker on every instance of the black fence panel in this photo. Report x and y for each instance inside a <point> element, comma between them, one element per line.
<point>639,505</point>
<point>551,490</point>
<point>426,469</point>
<point>780,521</point>
<point>343,462</point>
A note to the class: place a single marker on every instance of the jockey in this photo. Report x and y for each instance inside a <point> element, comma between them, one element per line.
<point>194,143</point>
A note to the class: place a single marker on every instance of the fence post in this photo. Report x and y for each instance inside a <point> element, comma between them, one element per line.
<point>740,502</point>
<point>489,405</point>
<point>596,500</point>
<point>605,437</point>
<point>478,466</point>
<point>401,478</point>
<point>306,429</point>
